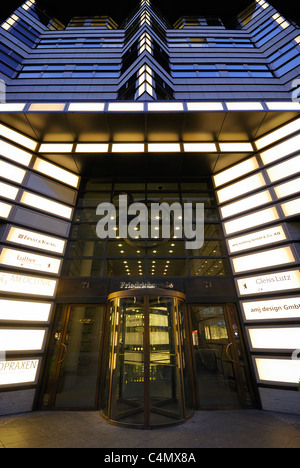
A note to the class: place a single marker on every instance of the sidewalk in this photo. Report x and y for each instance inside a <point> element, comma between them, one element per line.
<point>207,429</point>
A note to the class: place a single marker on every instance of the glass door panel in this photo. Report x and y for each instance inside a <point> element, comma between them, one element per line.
<point>74,362</point>
<point>215,371</point>
<point>127,362</point>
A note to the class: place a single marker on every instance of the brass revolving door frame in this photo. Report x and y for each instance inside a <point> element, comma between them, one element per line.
<point>148,334</point>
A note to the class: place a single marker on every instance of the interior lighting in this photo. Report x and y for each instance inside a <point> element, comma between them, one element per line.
<point>57,173</point>
<point>15,154</point>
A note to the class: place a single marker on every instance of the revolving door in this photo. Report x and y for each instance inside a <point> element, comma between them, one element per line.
<point>148,372</point>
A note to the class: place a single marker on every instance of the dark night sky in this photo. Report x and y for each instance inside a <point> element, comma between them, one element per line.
<point>171,10</point>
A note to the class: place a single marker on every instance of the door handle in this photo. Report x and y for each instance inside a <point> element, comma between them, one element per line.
<point>65,352</point>
<point>227,353</point>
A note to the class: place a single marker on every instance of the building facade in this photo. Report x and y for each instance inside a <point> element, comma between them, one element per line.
<point>138,324</point>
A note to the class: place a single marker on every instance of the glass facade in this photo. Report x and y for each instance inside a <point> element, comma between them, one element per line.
<point>87,255</point>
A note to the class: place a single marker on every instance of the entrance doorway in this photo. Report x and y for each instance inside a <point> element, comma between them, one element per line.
<point>75,358</point>
<point>148,380</point>
<point>222,378</point>
<point>146,359</point>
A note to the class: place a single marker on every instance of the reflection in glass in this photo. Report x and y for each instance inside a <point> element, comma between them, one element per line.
<point>214,366</point>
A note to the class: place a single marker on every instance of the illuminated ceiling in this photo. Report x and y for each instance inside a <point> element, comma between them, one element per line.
<point>150,127</point>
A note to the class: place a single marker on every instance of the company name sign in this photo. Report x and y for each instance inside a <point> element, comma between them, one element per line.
<point>281,281</point>
<point>23,284</point>
<point>35,240</point>
<point>272,309</point>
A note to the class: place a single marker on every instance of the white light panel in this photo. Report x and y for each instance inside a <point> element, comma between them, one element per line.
<point>285,169</point>
<point>246,204</point>
<point>44,204</point>
<point>240,188</point>
<point>55,172</point>
<point>25,311</point>
<point>279,338</point>
<point>251,221</point>
<point>235,172</point>
<point>21,340</point>
<point>281,150</point>
<point>266,259</point>
<point>15,154</point>
<point>285,371</point>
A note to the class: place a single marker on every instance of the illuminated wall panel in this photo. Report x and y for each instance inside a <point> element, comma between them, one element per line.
<point>288,188</point>
<point>291,208</point>
<point>8,191</point>
<point>274,282</point>
<point>26,311</point>
<point>44,204</point>
<point>282,371</point>
<point>19,371</point>
<point>10,172</point>
<point>5,210</point>
<point>256,239</point>
<point>251,221</point>
<point>15,154</point>
<point>24,284</point>
<point>261,260</point>
<point>56,172</point>
<point>21,340</point>
<point>240,188</point>
<point>279,151</point>
<point>35,240</point>
<point>274,338</point>
<point>285,169</point>
<point>274,309</point>
<point>246,204</point>
<point>29,261</point>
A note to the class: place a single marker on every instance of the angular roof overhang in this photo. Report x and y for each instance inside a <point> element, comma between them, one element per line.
<point>147,127</point>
